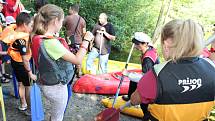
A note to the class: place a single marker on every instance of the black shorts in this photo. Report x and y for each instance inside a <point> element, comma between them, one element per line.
<point>20,72</point>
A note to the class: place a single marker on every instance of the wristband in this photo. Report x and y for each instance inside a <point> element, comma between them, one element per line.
<point>83,47</point>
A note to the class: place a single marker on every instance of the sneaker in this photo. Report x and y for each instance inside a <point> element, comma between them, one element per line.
<point>4,80</point>
<point>125,98</point>
<point>27,112</point>
<point>8,76</point>
<point>22,108</point>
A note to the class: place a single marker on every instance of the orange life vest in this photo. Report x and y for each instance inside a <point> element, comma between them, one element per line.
<point>1,29</point>
<point>196,111</point>
<point>9,30</point>
<point>13,52</point>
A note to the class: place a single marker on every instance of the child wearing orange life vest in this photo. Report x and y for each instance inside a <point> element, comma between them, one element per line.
<point>3,76</point>
<point>9,29</point>
<point>20,53</point>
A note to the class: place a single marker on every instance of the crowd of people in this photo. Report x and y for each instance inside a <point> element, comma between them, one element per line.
<point>181,88</point>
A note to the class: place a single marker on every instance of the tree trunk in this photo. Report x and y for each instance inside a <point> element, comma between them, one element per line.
<point>160,22</point>
<point>167,13</point>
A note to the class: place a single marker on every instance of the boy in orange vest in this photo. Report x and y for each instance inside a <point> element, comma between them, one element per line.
<point>20,53</point>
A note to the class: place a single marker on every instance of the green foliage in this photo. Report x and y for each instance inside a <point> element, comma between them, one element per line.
<point>193,9</point>
<point>29,5</point>
<point>129,16</point>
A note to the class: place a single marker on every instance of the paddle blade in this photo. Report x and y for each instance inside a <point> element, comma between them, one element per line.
<point>37,113</point>
<point>109,114</point>
<point>69,90</point>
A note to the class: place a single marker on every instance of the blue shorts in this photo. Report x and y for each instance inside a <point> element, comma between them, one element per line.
<point>5,58</point>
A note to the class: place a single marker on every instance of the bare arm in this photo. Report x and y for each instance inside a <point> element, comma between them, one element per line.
<point>109,36</point>
<point>77,59</point>
<point>84,31</point>
<point>28,68</point>
<point>84,28</point>
<point>26,63</point>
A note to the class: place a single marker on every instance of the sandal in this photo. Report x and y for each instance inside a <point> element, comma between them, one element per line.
<point>7,76</point>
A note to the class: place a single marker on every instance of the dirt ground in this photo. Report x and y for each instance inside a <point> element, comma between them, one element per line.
<point>82,107</point>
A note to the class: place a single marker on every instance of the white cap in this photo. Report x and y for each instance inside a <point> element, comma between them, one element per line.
<point>10,20</point>
<point>1,1</point>
<point>142,37</point>
<point>26,11</point>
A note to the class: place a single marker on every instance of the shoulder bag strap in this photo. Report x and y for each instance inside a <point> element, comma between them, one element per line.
<point>77,24</point>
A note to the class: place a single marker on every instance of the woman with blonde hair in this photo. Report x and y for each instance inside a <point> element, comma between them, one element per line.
<point>53,59</point>
<point>182,88</point>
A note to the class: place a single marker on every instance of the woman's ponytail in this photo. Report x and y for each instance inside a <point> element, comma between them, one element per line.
<point>44,16</point>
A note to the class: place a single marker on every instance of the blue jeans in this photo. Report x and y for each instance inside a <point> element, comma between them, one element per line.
<point>103,62</point>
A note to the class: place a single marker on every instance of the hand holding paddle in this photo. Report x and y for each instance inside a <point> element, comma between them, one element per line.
<point>135,98</point>
<point>111,114</point>
<point>90,38</point>
<point>122,78</point>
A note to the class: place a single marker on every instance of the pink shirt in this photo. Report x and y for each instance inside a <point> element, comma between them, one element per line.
<point>147,87</point>
<point>8,8</point>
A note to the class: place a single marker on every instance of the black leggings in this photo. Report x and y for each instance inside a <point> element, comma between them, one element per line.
<point>132,88</point>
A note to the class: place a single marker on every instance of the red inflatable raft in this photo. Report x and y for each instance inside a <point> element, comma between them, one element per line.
<point>102,84</point>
